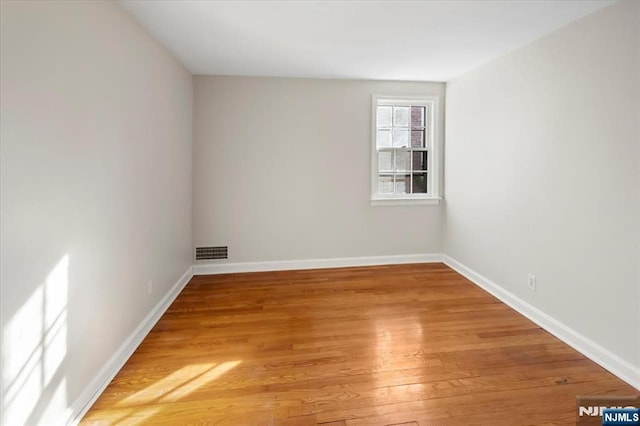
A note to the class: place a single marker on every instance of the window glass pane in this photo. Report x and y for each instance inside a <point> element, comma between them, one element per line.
<point>401,138</point>
<point>417,139</point>
<point>385,184</point>
<point>403,184</point>
<point>417,116</point>
<point>384,116</point>
<point>419,160</point>
<point>385,161</point>
<point>384,139</point>
<point>420,183</point>
<point>401,116</point>
<point>403,161</point>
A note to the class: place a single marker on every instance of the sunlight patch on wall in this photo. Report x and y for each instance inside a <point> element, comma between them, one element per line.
<point>34,346</point>
<point>57,404</point>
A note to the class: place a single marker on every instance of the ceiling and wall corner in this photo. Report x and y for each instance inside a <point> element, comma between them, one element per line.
<point>372,40</point>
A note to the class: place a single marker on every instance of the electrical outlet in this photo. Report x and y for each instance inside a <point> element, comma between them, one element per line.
<point>531,282</point>
<point>149,287</point>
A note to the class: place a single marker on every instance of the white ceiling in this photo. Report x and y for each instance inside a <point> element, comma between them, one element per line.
<point>381,40</point>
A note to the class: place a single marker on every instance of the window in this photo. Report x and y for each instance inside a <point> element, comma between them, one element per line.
<point>404,154</point>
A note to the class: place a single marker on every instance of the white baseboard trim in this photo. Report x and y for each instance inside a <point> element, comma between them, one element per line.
<point>91,393</point>
<point>287,265</point>
<point>592,350</point>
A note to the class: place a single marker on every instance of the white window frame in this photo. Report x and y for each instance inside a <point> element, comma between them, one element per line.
<point>432,143</point>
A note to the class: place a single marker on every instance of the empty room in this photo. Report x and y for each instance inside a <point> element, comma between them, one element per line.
<point>329,213</point>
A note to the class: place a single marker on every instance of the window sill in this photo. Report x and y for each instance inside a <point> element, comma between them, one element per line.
<point>405,201</point>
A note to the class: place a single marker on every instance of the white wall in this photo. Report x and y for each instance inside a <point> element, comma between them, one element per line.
<point>282,171</point>
<point>543,175</point>
<point>95,193</point>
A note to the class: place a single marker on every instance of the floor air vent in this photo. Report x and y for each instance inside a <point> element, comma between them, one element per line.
<point>211,253</point>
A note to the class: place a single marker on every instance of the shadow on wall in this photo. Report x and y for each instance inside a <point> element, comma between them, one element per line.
<point>34,353</point>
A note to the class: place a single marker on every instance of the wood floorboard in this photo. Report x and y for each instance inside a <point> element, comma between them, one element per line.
<point>409,345</point>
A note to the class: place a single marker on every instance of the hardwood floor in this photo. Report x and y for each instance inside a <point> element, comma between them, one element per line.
<point>407,344</point>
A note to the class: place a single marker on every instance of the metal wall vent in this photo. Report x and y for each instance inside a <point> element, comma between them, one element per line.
<point>212,253</point>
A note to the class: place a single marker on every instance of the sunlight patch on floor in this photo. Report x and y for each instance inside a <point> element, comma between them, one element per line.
<point>179,383</point>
